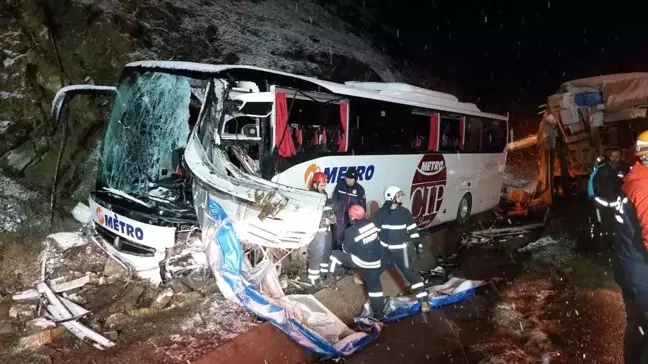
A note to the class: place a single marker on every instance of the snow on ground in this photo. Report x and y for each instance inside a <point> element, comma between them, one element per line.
<point>550,250</point>
<point>17,204</point>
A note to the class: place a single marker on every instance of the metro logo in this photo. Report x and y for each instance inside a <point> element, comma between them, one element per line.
<point>430,168</point>
<point>335,174</point>
<point>428,189</point>
<point>113,223</point>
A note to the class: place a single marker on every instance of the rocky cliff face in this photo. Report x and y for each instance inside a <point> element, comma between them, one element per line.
<point>45,44</point>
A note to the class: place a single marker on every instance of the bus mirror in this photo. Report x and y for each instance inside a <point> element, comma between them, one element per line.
<point>67,93</point>
<point>257,104</point>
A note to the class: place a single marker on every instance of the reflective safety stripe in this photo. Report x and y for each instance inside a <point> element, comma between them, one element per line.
<point>328,208</point>
<point>375,294</point>
<point>393,247</point>
<point>598,215</point>
<point>345,193</point>
<point>367,228</point>
<point>421,295</point>
<point>367,265</point>
<point>334,261</point>
<point>417,285</point>
<point>394,227</point>
<point>324,265</point>
<point>601,201</point>
<point>620,175</point>
<point>313,271</point>
<point>411,226</point>
<point>322,229</point>
<point>415,235</point>
<point>367,234</point>
<point>618,218</point>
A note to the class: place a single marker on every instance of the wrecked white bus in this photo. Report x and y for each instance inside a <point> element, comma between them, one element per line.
<point>254,137</point>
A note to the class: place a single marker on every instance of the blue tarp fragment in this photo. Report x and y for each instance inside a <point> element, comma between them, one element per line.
<point>230,269</point>
<point>231,264</point>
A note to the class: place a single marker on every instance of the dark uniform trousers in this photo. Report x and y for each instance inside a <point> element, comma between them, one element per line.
<point>371,274</point>
<point>401,259</point>
<point>319,253</point>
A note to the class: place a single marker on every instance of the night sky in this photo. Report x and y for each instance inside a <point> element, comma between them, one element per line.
<point>510,55</point>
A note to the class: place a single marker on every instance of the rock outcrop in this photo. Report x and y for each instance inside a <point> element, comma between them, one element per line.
<point>46,44</point>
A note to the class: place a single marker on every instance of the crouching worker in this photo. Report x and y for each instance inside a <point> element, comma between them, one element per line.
<point>397,230</point>
<point>319,250</point>
<point>361,250</point>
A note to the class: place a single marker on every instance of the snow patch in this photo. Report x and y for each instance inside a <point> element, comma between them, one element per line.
<point>4,126</point>
<point>8,62</point>
<point>10,95</point>
<point>550,250</point>
<point>16,204</point>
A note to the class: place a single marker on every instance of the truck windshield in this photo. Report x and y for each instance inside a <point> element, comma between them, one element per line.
<point>147,131</point>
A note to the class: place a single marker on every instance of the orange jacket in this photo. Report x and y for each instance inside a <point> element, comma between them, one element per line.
<point>635,188</point>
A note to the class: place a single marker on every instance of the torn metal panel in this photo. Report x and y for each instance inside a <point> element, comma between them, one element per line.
<point>264,213</point>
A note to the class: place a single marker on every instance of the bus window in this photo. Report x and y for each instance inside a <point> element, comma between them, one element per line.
<point>420,132</point>
<point>449,134</point>
<point>494,136</point>
<point>473,134</point>
<point>316,124</point>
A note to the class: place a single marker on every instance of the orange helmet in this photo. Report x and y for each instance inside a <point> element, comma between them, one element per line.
<point>641,147</point>
<point>319,177</point>
<point>356,212</point>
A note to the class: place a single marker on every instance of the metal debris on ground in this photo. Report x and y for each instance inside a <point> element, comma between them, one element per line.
<point>489,235</point>
<point>59,310</point>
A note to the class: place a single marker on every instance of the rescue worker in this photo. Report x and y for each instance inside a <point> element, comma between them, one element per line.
<point>319,250</point>
<point>606,183</point>
<point>398,230</point>
<point>361,250</point>
<point>631,268</point>
<point>347,193</point>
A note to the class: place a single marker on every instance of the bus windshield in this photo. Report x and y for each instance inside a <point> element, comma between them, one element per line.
<point>147,131</point>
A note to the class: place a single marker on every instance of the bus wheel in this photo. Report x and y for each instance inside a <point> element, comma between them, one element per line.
<point>465,207</point>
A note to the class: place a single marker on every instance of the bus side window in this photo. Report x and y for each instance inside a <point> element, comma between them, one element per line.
<point>420,132</point>
<point>473,134</point>
<point>449,134</point>
<point>494,136</point>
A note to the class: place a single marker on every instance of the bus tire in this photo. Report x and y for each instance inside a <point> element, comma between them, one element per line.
<point>464,209</point>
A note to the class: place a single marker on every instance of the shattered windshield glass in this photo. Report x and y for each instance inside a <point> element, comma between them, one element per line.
<point>148,128</point>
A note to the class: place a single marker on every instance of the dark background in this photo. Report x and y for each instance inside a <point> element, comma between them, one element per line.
<point>511,55</point>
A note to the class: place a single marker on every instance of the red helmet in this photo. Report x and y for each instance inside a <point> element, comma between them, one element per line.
<point>356,212</point>
<point>319,177</point>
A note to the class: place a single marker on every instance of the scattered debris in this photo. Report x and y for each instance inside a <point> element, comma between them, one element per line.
<point>22,311</point>
<point>60,311</point>
<point>67,240</point>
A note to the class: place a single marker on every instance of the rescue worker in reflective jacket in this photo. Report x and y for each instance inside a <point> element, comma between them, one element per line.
<point>347,193</point>
<point>319,250</point>
<point>361,250</point>
<point>605,184</point>
<point>397,230</point>
<point>631,268</point>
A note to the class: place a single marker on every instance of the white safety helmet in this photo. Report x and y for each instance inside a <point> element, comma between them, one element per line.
<point>391,192</point>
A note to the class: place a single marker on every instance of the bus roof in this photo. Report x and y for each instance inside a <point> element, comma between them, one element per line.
<point>399,93</point>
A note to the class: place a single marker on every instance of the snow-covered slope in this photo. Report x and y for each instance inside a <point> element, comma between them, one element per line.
<point>50,43</point>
